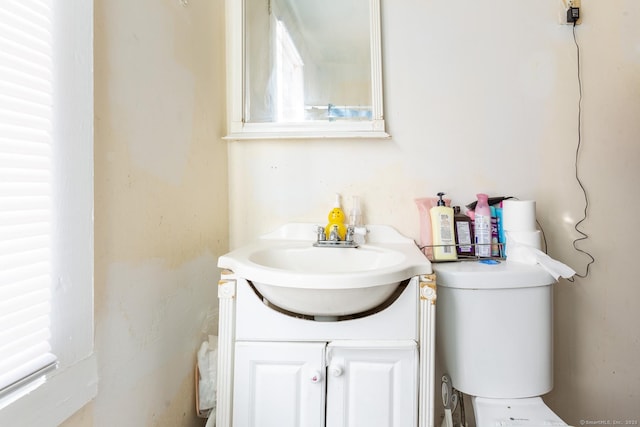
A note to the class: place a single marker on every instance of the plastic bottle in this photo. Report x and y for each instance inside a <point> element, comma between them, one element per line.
<point>426,240</point>
<point>501,237</point>
<point>336,219</point>
<point>495,247</point>
<point>463,227</point>
<point>482,226</point>
<point>442,231</point>
<point>355,214</point>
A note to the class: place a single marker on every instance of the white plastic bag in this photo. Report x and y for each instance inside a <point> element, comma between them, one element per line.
<point>207,370</point>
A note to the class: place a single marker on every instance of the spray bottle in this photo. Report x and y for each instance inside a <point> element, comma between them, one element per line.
<point>482,226</point>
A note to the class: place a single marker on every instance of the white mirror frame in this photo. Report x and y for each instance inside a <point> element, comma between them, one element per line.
<point>238,129</point>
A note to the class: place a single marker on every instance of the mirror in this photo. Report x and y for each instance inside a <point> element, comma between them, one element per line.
<point>304,69</point>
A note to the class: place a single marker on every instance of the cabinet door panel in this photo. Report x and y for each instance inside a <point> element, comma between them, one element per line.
<point>372,385</point>
<point>279,385</point>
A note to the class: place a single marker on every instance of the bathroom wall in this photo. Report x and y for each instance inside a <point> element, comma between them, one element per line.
<point>160,205</point>
<point>480,96</point>
<point>483,97</point>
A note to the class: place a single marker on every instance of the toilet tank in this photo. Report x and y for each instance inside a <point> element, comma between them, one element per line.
<point>494,328</point>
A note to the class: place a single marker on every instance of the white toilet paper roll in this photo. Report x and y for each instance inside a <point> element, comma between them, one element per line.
<point>519,215</point>
<point>532,239</point>
<point>529,238</point>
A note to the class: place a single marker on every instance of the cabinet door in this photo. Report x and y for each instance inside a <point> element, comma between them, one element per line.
<point>279,384</point>
<point>372,384</point>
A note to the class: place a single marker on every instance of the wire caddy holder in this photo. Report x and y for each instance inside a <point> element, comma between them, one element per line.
<point>498,248</point>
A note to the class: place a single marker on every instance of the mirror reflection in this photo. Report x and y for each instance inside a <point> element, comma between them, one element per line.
<point>307,61</point>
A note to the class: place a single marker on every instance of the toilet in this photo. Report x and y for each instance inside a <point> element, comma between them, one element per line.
<point>494,332</point>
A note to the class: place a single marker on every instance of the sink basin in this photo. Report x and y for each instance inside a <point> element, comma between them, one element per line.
<point>292,274</point>
<point>314,260</point>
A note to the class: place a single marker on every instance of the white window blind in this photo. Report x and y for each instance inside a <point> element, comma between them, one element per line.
<point>26,190</point>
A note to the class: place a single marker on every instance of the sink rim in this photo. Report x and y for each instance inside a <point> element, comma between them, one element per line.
<point>300,236</point>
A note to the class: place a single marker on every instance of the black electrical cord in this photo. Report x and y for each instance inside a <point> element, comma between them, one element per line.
<point>583,235</point>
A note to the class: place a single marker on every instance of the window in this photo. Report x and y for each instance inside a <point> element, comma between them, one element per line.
<point>25,192</point>
<point>290,77</point>
<point>60,229</point>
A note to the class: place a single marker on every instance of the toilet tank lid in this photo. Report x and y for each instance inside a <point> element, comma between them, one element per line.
<point>477,275</point>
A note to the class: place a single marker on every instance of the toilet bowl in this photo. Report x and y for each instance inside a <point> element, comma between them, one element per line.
<point>494,332</point>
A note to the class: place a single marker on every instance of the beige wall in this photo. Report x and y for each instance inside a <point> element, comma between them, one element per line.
<point>597,344</point>
<point>482,97</point>
<point>160,205</point>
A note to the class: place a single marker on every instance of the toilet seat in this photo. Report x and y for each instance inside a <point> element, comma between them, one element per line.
<point>527,412</point>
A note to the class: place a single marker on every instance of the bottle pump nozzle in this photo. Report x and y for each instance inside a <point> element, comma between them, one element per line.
<point>337,203</point>
<point>441,201</point>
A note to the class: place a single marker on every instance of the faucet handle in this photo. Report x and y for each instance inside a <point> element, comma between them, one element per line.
<point>350,232</point>
<point>320,233</point>
<point>334,235</point>
<point>360,233</point>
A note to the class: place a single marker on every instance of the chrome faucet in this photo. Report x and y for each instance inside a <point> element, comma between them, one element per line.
<point>333,240</point>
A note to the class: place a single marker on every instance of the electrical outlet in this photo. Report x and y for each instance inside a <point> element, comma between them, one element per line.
<point>562,14</point>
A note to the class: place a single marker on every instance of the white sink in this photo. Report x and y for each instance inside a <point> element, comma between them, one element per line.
<point>325,260</point>
<point>292,274</point>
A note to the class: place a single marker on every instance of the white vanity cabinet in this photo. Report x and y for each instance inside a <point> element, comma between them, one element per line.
<point>372,384</point>
<point>276,370</point>
<point>362,383</point>
<point>279,384</point>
